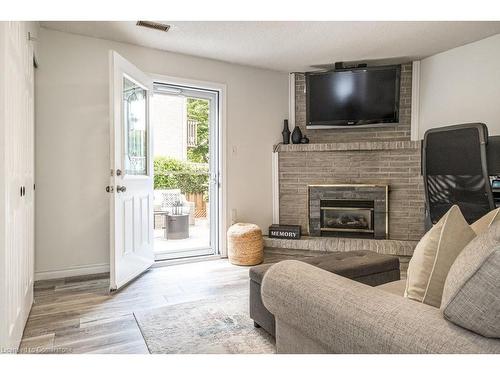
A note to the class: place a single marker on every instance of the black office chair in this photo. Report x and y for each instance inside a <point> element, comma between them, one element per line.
<point>455,171</point>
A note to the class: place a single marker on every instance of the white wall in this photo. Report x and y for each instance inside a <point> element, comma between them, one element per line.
<point>72,137</point>
<point>461,85</point>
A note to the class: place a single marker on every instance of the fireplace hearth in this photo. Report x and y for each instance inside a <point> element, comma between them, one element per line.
<point>358,211</point>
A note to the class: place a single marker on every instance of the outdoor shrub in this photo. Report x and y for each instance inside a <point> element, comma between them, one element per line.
<point>170,173</point>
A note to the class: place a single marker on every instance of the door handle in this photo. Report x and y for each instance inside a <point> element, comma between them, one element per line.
<point>120,189</point>
<point>214,178</point>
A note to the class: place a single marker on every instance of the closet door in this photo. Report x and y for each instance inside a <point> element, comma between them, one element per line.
<point>16,250</point>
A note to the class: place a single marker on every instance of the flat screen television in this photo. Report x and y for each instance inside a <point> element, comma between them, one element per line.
<point>352,97</point>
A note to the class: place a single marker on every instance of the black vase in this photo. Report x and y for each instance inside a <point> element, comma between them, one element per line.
<point>286,133</point>
<point>296,135</point>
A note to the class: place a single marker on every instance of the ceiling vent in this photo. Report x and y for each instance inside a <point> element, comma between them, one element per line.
<point>154,25</point>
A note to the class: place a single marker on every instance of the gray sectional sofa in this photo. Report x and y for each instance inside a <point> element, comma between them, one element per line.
<point>364,266</point>
<point>317,311</point>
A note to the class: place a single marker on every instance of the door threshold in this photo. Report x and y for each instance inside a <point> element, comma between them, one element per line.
<point>192,259</point>
<point>194,252</point>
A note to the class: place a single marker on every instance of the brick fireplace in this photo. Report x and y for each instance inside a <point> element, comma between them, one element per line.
<point>395,164</point>
<point>390,221</point>
<point>355,156</point>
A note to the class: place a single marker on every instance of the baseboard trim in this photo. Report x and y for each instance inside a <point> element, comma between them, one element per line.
<point>72,271</point>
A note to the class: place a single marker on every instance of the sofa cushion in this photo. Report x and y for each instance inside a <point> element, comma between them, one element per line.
<point>471,296</point>
<point>434,255</point>
<point>395,287</point>
<point>483,224</point>
<point>351,264</point>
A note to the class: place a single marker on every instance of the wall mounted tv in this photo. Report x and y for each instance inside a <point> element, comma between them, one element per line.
<point>352,97</point>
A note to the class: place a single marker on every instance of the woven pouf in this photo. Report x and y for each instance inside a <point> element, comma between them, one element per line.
<point>244,244</point>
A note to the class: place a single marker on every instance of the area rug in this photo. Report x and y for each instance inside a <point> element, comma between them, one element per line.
<point>211,326</point>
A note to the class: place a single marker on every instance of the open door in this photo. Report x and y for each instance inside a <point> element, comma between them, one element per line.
<point>131,181</point>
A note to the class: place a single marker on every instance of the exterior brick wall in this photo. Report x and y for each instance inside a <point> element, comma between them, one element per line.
<point>396,132</point>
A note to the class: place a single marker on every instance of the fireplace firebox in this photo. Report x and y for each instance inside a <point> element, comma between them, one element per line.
<point>349,216</point>
<point>358,211</point>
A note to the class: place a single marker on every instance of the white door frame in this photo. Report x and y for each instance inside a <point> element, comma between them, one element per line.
<point>161,88</point>
<point>222,126</point>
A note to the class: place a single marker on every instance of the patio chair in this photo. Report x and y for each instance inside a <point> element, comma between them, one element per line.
<point>166,200</point>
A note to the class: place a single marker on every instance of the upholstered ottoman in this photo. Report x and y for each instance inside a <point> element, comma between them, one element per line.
<point>364,266</point>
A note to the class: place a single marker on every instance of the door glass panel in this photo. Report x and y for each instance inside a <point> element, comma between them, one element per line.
<point>134,117</point>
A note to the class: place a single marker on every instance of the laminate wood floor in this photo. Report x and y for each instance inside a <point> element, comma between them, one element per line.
<point>79,315</point>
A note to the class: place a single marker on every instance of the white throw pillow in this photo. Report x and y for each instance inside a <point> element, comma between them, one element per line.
<point>482,225</point>
<point>434,255</point>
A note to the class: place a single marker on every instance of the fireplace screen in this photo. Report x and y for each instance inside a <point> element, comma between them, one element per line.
<point>347,216</point>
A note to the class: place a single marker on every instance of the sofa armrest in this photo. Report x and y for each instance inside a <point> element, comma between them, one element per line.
<point>345,316</point>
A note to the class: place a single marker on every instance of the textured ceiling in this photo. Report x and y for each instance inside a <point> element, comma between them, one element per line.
<point>293,46</point>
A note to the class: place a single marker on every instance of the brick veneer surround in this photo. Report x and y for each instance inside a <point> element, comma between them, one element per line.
<point>396,164</point>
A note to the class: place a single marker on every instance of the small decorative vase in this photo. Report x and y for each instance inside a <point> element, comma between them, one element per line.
<point>286,133</point>
<point>296,135</point>
<point>304,139</point>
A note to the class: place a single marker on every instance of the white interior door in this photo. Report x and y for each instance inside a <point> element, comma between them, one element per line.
<point>131,186</point>
<point>16,181</point>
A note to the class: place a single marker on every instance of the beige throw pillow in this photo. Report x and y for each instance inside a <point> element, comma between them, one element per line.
<point>482,225</point>
<point>434,255</point>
